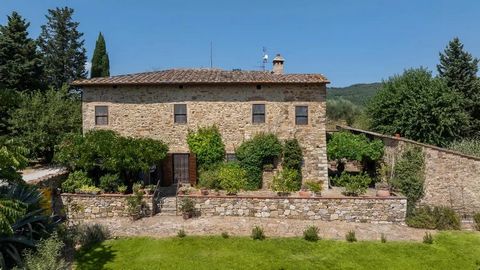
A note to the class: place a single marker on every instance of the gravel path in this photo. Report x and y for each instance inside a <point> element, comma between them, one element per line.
<point>165,226</point>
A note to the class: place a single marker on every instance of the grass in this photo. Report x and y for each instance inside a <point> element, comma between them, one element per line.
<point>451,250</point>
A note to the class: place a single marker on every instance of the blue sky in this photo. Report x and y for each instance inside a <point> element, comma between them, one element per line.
<point>348,41</point>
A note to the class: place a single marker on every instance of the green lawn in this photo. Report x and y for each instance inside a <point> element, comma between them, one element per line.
<point>451,250</point>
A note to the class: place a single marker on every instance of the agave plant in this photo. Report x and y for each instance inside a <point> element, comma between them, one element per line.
<point>22,222</point>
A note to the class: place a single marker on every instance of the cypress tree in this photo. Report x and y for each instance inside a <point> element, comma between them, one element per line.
<point>62,47</point>
<point>20,64</point>
<point>459,69</point>
<point>100,61</point>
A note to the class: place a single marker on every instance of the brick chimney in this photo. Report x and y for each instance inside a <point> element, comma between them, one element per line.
<point>278,64</point>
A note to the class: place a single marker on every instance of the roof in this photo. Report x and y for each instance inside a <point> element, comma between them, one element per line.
<point>204,76</point>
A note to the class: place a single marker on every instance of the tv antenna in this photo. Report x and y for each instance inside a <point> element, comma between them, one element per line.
<point>264,58</point>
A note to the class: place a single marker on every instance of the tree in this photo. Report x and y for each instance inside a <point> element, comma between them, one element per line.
<point>419,107</point>
<point>20,64</point>
<point>100,61</point>
<point>42,119</point>
<point>12,159</point>
<point>61,44</point>
<point>459,69</point>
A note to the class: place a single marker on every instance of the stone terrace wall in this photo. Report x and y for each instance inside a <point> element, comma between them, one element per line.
<point>85,206</point>
<point>351,209</point>
<point>451,178</point>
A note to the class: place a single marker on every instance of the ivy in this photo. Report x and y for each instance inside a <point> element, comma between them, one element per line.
<point>207,145</point>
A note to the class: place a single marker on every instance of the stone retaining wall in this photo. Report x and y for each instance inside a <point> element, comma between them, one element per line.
<point>86,206</point>
<point>352,209</point>
<point>451,178</point>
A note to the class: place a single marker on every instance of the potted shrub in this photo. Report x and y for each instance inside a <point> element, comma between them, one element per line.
<point>85,189</point>
<point>315,187</point>
<point>285,182</point>
<point>122,189</point>
<point>383,189</point>
<point>354,185</point>
<point>187,207</point>
<point>304,192</point>
<point>150,189</point>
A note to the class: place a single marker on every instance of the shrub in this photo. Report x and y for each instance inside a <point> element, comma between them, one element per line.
<point>286,181</point>
<point>122,189</point>
<point>135,204</point>
<point>207,145</point>
<point>313,186</point>
<point>383,238</point>
<point>88,190</point>
<point>257,233</point>
<point>409,176</point>
<point>106,150</point>
<point>91,234</point>
<point>354,184</point>
<point>468,146</point>
<point>446,218</point>
<point>181,233</point>
<point>187,206</point>
<point>292,155</point>
<point>208,178</point>
<point>232,177</point>
<point>427,238</point>
<point>345,145</point>
<point>76,180</point>
<point>350,236</point>
<point>253,154</point>
<point>47,256</point>
<point>225,235</point>
<point>421,217</point>
<point>311,234</point>
<point>439,218</point>
<point>476,221</point>
<point>110,182</point>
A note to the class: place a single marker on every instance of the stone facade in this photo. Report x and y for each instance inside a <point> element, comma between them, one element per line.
<point>451,178</point>
<point>149,111</point>
<point>350,209</point>
<point>86,207</point>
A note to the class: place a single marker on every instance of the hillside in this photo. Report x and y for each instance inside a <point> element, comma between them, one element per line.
<point>358,94</point>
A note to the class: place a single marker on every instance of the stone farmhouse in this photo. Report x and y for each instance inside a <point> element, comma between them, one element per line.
<point>167,104</point>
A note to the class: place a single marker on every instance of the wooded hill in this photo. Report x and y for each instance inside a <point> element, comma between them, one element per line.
<point>358,94</point>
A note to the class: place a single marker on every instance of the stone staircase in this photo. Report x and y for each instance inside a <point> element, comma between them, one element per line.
<point>167,205</point>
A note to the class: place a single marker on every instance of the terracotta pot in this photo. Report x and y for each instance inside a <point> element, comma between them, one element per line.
<point>383,193</point>
<point>302,193</point>
<point>317,194</point>
<point>204,192</point>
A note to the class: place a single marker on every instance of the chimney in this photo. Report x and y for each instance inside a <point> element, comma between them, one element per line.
<point>278,64</point>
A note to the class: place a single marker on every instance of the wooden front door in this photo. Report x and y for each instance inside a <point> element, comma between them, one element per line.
<point>180,168</point>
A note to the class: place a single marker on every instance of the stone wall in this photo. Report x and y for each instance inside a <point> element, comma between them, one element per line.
<point>350,209</point>
<point>148,111</point>
<point>451,178</point>
<point>86,207</point>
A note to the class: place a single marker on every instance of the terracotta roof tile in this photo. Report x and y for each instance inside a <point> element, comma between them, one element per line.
<point>201,76</point>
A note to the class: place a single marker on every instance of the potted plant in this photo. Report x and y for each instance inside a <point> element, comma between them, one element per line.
<point>187,207</point>
<point>304,192</point>
<point>150,189</point>
<point>315,187</point>
<point>86,189</point>
<point>383,189</point>
<point>204,191</point>
<point>285,182</point>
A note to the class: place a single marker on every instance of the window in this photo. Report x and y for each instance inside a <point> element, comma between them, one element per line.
<point>230,157</point>
<point>301,115</point>
<point>180,113</point>
<point>101,115</point>
<point>258,113</point>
